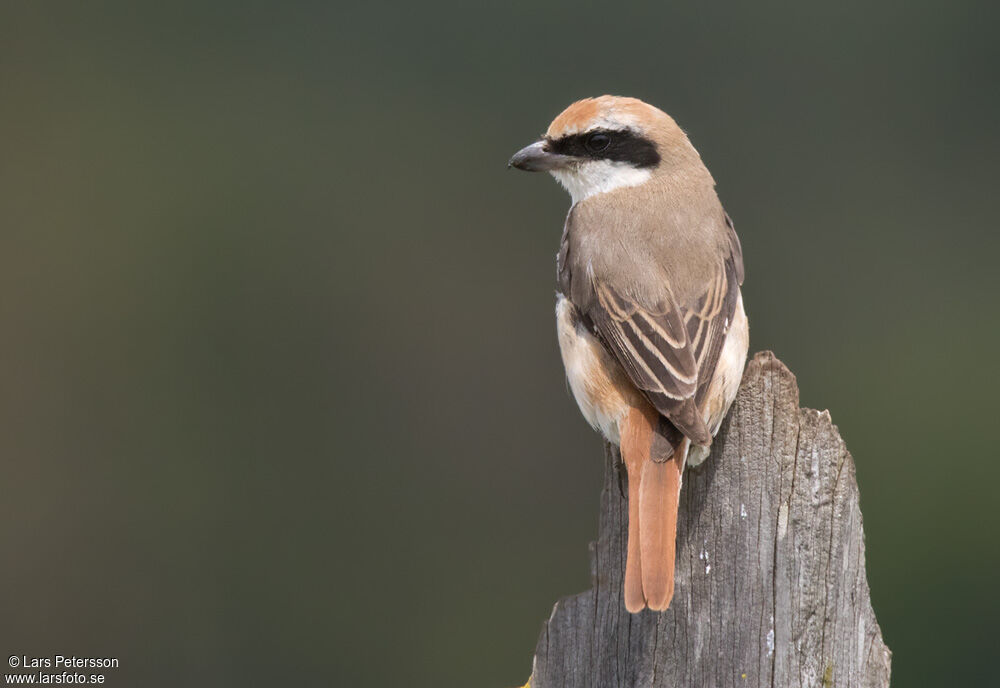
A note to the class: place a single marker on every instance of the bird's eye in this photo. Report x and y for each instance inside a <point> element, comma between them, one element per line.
<point>598,142</point>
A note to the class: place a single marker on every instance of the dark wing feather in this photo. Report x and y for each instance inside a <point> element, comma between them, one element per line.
<point>653,348</point>
<point>670,352</point>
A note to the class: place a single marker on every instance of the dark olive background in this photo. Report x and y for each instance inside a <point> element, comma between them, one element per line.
<point>280,398</point>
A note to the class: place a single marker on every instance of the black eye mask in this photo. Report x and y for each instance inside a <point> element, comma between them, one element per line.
<point>617,145</point>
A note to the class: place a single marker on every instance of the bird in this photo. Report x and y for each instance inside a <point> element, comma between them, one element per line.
<point>649,311</point>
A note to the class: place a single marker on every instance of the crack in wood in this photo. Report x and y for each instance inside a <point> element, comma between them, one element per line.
<point>811,593</point>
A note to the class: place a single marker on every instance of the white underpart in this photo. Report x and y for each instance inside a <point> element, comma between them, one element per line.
<point>726,381</point>
<point>586,179</point>
<point>585,358</point>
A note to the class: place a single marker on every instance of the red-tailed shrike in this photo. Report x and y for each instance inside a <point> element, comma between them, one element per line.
<point>649,312</point>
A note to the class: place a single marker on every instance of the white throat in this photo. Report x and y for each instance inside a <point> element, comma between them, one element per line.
<point>599,176</point>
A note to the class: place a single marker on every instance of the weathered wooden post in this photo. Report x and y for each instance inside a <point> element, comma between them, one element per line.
<point>771,587</point>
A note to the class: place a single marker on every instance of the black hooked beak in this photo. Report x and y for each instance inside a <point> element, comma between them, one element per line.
<point>537,158</point>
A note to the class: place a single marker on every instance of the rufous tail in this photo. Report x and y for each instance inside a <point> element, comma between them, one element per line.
<point>654,485</point>
<point>659,497</point>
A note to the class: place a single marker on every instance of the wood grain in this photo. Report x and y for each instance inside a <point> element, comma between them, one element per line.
<point>770,582</point>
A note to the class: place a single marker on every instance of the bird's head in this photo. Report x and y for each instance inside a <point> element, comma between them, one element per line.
<point>600,144</point>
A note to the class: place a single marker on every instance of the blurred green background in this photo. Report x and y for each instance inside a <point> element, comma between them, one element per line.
<point>280,396</point>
